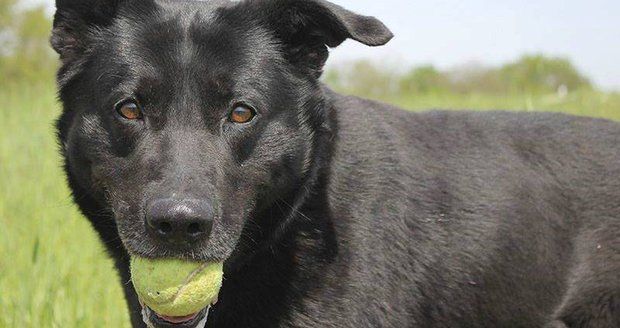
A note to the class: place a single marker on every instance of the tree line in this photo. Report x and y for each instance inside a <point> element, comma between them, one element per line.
<point>529,74</point>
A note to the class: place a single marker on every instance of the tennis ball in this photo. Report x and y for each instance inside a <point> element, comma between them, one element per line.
<point>173,287</point>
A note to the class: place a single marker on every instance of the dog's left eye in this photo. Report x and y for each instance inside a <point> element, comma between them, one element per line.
<point>242,114</point>
<point>129,110</point>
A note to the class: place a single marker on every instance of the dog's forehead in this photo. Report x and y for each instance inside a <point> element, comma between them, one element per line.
<point>172,21</point>
<point>181,8</point>
<point>191,36</point>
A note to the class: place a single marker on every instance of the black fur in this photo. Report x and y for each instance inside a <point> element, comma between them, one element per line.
<point>331,211</point>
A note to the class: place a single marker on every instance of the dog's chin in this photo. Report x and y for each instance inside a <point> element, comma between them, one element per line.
<point>154,320</point>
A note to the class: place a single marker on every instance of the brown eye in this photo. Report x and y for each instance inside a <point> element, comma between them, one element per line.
<point>242,114</point>
<point>129,110</point>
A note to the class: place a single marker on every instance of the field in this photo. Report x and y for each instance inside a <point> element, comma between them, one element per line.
<point>53,271</point>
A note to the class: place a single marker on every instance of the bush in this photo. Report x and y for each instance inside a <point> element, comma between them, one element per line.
<point>536,74</point>
<point>424,79</point>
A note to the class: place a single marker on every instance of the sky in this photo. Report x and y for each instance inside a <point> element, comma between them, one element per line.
<point>448,33</point>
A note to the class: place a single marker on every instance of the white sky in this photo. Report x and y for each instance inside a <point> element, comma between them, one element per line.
<point>452,32</point>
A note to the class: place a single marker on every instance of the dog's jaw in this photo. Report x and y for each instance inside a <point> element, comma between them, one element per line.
<point>146,318</point>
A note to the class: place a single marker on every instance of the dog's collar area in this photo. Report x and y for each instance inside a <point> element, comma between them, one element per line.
<point>152,320</point>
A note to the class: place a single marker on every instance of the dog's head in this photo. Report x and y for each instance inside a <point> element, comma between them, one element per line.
<point>184,119</point>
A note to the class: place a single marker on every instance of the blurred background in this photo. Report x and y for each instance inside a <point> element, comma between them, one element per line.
<point>552,55</point>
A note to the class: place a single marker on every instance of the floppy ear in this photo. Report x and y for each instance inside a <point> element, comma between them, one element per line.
<point>308,27</point>
<point>73,21</point>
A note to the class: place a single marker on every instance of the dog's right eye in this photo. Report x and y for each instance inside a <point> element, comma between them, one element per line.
<point>129,110</point>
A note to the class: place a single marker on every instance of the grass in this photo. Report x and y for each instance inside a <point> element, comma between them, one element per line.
<point>53,271</point>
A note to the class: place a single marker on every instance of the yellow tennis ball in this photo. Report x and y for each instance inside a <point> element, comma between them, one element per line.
<point>173,287</point>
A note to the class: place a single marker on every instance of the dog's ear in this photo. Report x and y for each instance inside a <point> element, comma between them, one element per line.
<point>307,27</point>
<point>75,19</point>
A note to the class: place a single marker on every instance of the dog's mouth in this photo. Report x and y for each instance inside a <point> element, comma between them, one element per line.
<point>154,320</point>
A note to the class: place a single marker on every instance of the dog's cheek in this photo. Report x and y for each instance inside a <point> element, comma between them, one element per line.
<point>108,179</point>
<point>125,194</point>
<point>85,150</point>
<point>279,161</point>
<point>121,185</point>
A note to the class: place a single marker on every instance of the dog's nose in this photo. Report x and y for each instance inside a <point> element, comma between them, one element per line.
<point>179,222</point>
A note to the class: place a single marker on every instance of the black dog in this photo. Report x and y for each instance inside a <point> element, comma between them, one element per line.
<point>199,130</point>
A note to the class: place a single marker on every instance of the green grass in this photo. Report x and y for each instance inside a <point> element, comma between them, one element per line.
<point>53,271</point>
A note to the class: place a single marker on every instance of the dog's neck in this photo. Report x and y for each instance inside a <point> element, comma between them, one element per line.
<point>301,235</point>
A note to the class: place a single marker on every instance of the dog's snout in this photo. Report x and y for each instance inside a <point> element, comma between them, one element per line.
<point>179,222</point>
